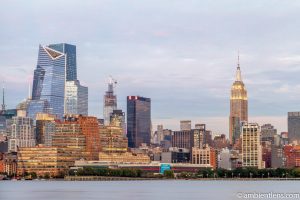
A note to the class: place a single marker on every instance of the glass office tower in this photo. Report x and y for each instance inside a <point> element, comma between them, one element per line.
<point>71,64</point>
<point>138,121</point>
<point>76,98</point>
<point>49,79</point>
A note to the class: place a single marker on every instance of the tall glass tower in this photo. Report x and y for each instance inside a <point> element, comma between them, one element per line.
<point>76,101</point>
<point>49,79</point>
<point>71,63</point>
<point>138,121</point>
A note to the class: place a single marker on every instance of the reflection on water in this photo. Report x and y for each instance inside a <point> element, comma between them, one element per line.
<point>136,190</point>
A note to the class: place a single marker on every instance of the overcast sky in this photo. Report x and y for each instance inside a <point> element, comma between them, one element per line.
<point>181,54</point>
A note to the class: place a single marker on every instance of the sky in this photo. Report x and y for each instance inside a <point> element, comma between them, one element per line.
<point>181,54</point>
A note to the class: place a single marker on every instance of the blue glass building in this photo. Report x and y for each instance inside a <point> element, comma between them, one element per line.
<point>71,65</point>
<point>49,80</point>
<point>138,121</point>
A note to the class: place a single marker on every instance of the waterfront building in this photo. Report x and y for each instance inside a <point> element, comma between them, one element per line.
<point>251,145</point>
<point>109,101</point>
<point>205,156</point>
<point>22,133</point>
<point>292,156</point>
<point>123,157</point>
<point>294,127</point>
<point>176,155</point>
<point>185,125</point>
<point>42,160</point>
<point>78,131</point>
<point>112,139</point>
<point>117,118</point>
<point>138,121</point>
<point>45,128</point>
<point>76,101</point>
<point>9,163</point>
<point>238,106</point>
<point>224,159</point>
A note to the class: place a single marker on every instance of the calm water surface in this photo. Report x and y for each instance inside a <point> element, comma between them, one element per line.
<point>136,190</point>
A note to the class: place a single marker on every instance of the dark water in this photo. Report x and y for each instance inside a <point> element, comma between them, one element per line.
<point>136,190</point>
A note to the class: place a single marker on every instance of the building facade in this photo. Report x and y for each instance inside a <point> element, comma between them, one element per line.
<point>49,79</point>
<point>238,106</point>
<point>294,127</point>
<point>251,146</point>
<point>22,134</point>
<point>109,101</point>
<point>205,156</point>
<point>45,129</point>
<point>76,101</point>
<point>138,121</point>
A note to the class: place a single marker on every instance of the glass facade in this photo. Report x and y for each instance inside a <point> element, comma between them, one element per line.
<point>71,65</point>
<point>294,127</point>
<point>138,121</point>
<point>37,106</point>
<point>76,98</point>
<point>49,79</point>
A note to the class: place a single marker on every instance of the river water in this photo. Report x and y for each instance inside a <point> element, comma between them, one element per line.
<point>137,190</point>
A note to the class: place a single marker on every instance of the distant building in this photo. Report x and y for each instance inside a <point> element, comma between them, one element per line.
<point>294,127</point>
<point>205,156</point>
<point>238,106</point>
<point>110,101</point>
<point>118,116</point>
<point>185,125</point>
<point>22,134</point>
<point>224,159</point>
<point>251,147</point>
<point>268,132</point>
<point>292,156</point>
<point>176,155</point>
<point>76,101</point>
<point>112,139</point>
<point>138,121</point>
<point>47,160</point>
<point>187,139</point>
<point>78,131</point>
<point>125,157</point>
<point>45,129</point>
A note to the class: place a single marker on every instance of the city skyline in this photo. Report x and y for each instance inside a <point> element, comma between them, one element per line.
<point>153,69</point>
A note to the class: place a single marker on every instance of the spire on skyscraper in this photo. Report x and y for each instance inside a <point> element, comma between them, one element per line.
<point>238,76</point>
<point>3,98</point>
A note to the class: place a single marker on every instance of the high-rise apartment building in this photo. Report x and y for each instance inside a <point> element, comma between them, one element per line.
<point>251,146</point>
<point>45,129</point>
<point>76,101</point>
<point>22,133</point>
<point>238,106</point>
<point>138,121</point>
<point>117,118</point>
<point>294,127</point>
<point>110,101</point>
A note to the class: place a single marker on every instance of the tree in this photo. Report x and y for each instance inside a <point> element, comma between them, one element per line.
<point>168,174</point>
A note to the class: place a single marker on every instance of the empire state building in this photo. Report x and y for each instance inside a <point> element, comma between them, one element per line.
<point>238,106</point>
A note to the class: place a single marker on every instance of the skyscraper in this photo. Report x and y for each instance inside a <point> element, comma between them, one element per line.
<point>251,146</point>
<point>110,101</point>
<point>294,127</point>
<point>76,101</point>
<point>49,79</point>
<point>71,63</point>
<point>55,84</point>
<point>138,121</point>
<point>238,106</point>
